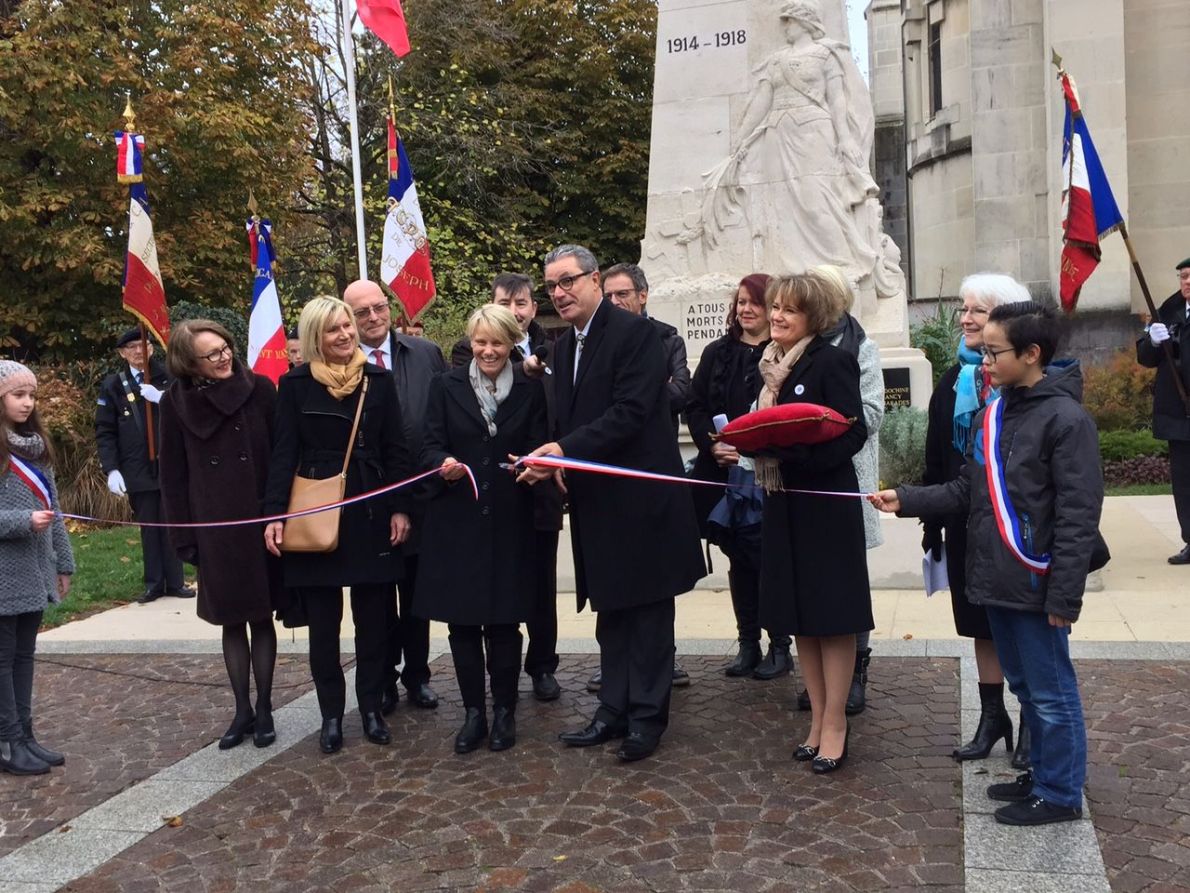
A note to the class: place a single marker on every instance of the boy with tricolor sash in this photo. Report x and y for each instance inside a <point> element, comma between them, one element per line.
<point>1033,492</point>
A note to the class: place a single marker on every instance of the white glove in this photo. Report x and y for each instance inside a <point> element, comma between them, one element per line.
<point>1158,333</point>
<point>150,393</point>
<point>115,483</point>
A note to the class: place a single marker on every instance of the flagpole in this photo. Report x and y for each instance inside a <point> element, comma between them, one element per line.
<point>356,170</point>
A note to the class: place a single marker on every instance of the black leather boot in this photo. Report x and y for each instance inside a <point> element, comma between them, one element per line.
<point>857,698</point>
<point>474,730</point>
<point>1020,756</point>
<point>50,757</point>
<point>503,728</point>
<point>747,660</point>
<point>994,724</point>
<point>16,759</point>
<point>778,662</point>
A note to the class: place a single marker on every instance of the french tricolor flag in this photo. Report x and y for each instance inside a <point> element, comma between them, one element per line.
<point>144,292</point>
<point>405,259</point>
<point>1089,210</point>
<point>266,329</point>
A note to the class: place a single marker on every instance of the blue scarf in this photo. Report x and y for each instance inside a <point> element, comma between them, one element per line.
<point>967,400</point>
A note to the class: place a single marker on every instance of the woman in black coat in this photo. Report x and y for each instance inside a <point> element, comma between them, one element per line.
<point>962,391</point>
<point>726,383</point>
<point>477,564</point>
<point>316,405</point>
<point>814,571</point>
<point>216,428</point>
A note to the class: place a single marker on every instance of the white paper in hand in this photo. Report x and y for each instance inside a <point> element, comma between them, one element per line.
<point>934,572</point>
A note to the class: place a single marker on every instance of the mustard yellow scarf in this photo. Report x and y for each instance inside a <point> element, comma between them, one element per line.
<point>340,379</point>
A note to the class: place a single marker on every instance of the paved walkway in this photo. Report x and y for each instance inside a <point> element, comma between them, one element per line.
<point>136,698</point>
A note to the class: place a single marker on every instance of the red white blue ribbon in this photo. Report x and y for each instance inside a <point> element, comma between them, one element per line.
<point>268,519</point>
<point>32,478</point>
<point>1006,517</point>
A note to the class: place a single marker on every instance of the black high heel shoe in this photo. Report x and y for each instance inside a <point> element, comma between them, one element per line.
<point>822,765</point>
<point>265,733</point>
<point>803,753</point>
<point>994,724</point>
<point>234,736</point>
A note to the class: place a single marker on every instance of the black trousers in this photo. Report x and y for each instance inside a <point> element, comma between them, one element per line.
<point>163,569</point>
<point>407,637</point>
<point>636,654</point>
<point>18,640</point>
<point>324,607</point>
<point>542,656</point>
<point>1179,473</point>
<point>503,643</point>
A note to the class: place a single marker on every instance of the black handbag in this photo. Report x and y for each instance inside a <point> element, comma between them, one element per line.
<point>294,614</point>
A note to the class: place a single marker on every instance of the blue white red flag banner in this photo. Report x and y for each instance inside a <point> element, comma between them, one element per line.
<point>130,149</point>
<point>32,478</point>
<point>1007,521</point>
<point>144,291</point>
<point>386,20</point>
<point>266,328</point>
<point>405,259</point>
<point>1089,210</point>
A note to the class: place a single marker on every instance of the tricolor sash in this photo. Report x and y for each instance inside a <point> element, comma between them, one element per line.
<point>1006,517</point>
<point>32,478</point>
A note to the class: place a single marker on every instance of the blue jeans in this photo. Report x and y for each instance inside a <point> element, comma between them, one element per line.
<point>1036,661</point>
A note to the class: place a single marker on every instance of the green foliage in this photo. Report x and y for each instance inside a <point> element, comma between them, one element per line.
<point>903,446</point>
<point>235,322</point>
<point>219,99</point>
<point>937,337</point>
<point>107,574</point>
<point>1117,445</point>
<point>1119,394</point>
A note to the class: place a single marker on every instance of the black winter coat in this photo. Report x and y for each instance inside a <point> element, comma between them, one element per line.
<point>635,542</point>
<point>310,434</point>
<point>215,449</point>
<point>677,389</point>
<point>121,434</point>
<point>1171,419</point>
<point>814,566</point>
<point>1050,451</point>
<point>477,556</point>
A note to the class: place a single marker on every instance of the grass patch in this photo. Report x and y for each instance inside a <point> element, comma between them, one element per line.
<point>1140,490</point>
<point>108,573</point>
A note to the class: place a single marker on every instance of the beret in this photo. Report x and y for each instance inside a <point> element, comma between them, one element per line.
<point>1183,264</point>
<point>784,425</point>
<point>128,337</point>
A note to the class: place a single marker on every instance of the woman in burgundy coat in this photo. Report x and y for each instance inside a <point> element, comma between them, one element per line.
<point>216,426</point>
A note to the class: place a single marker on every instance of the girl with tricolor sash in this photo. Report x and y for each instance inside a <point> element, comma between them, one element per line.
<point>1032,489</point>
<point>35,564</point>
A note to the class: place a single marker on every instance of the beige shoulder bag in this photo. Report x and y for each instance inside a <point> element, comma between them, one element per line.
<point>319,532</point>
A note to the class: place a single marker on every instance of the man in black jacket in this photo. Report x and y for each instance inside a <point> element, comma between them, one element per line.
<point>122,439</point>
<point>1171,416</point>
<point>635,541</point>
<point>414,362</point>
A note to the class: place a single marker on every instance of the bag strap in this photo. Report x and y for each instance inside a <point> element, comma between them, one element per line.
<point>359,410</point>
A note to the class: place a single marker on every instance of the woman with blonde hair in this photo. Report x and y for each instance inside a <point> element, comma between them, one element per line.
<point>814,573</point>
<point>316,409</point>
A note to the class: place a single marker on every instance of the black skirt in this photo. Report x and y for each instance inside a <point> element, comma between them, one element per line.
<point>970,621</point>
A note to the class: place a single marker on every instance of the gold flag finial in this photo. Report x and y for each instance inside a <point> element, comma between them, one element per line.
<point>1056,59</point>
<point>392,103</point>
<point>252,206</point>
<point>129,115</point>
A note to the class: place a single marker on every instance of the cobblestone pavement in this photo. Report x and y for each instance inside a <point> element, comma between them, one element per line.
<point>1138,722</point>
<point>116,729</point>
<point>721,806</point>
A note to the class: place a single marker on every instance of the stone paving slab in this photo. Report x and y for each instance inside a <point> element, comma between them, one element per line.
<point>1138,722</point>
<point>721,807</point>
<point>117,729</point>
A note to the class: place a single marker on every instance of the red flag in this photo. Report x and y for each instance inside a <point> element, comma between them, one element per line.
<point>385,19</point>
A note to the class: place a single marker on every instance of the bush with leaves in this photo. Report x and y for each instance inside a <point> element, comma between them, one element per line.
<point>234,322</point>
<point>903,446</point>
<point>1119,394</point>
<point>1116,446</point>
<point>1137,470</point>
<point>937,337</point>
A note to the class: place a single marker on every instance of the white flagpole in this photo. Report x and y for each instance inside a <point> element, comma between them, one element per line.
<point>356,172</point>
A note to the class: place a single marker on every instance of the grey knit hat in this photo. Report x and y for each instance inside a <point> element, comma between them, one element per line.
<point>15,375</point>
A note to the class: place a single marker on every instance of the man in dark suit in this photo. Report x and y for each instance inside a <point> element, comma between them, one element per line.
<point>1171,416</point>
<point>414,362</point>
<point>635,542</point>
<point>514,291</point>
<point>122,438</point>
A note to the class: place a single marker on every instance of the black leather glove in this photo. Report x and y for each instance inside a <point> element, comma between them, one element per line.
<point>931,539</point>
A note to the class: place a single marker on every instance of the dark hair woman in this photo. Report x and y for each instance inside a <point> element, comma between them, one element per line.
<point>316,408</point>
<point>726,383</point>
<point>477,415</point>
<point>216,438</point>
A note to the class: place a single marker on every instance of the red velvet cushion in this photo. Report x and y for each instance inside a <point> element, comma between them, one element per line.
<point>784,425</point>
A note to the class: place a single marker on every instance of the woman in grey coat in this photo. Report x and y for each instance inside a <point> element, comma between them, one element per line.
<point>35,564</point>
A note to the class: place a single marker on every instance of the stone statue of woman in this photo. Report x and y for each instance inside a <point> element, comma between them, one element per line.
<point>802,161</point>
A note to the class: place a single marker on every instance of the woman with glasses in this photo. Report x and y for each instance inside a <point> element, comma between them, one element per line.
<point>216,431</point>
<point>961,392</point>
